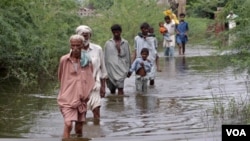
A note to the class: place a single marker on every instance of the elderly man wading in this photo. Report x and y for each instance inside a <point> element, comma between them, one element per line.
<point>99,71</point>
<point>76,83</point>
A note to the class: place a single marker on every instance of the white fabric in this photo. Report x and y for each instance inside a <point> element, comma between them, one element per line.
<point>97,59</point>
<point>171,29</point>
<point>152,73</point>
<point>231,25</point>
<point>117,64</point>
<point>99,71</point>
<point>148,43</point>
<point>231,21</point>
<point>94,100</point>
<point>83,29</point>
<point>141,83</point>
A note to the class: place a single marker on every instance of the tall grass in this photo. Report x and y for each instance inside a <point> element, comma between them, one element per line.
<point>130,14</point>
<point>198,27</point>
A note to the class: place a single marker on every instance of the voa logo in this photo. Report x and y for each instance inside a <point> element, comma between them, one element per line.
<point>236,132</point>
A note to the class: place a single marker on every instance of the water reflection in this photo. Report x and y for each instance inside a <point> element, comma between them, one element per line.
<point>115,101</point>
<point>175,66</point>
<point>179,107</point>
<point>12,115</point>
<point>181,64</point>
<point>77,139</point>
<point>170,67</point>
<point>146,104</point>
<point>93,129</point>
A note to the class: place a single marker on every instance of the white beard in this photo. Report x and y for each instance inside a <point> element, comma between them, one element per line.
<point>86,42</point>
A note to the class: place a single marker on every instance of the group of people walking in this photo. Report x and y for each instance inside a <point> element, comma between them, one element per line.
<point>86,71</point>
<point>174,31</point>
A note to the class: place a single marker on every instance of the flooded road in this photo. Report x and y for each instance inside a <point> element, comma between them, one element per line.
<point>182,106</point>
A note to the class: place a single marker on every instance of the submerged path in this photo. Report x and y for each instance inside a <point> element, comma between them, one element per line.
<point>180,107</point>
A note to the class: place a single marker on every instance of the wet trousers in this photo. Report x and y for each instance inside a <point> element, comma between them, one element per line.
<point>141,83</point>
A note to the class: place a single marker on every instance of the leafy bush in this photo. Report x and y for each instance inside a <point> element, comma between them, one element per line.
<point>35,35</point>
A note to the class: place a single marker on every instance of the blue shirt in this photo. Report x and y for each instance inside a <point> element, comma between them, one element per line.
<point>182,27</point>
<point>137,65</point>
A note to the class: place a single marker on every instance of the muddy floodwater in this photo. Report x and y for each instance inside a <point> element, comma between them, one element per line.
<point>180,107</point>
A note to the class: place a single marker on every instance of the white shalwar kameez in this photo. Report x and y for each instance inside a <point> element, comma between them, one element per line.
<point>99,72</point>
<point>150,43</point>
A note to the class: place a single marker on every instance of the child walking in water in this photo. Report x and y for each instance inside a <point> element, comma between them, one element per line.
<point>141,66</point>
<point>164,32</point>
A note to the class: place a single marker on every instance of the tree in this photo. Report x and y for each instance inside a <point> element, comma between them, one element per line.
<point>35,35</point>
<point>129,14</point>
<point>204,8</point>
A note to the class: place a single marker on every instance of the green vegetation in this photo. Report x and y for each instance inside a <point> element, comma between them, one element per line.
<point>101,5</point>
<point>198,30</point>
<point>129,14</point>
<point>238,58</point>
<point>241,60</point>
<point>35,33</point>
<point>207,8</point>
<point>204,8</point>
